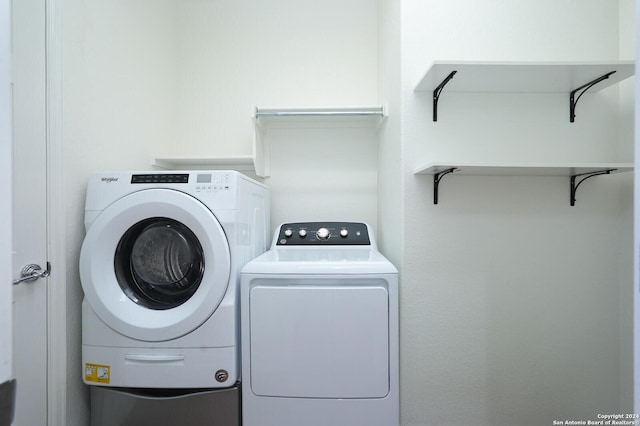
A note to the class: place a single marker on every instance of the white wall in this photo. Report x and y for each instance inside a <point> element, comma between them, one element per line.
<point>235,54</point>
<point>390,154</point>
<point>510,298</point>
<point>6,316</point>
<point>325,173</point>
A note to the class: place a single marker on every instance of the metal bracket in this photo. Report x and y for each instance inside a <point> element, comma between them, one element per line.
<point>573,100</point>
<point>437,177</point>
<point>574,185</point>
<point>436,94</point>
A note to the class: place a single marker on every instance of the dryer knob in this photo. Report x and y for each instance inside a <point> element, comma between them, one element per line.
<point>302,233</point>
<point>288,233</point>
<point>322,233</point>
<point>344,232</point>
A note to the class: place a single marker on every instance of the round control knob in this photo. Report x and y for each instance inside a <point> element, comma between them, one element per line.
<point>288,233</point>
<point>302,233</point>
<point>322,234</point>
<point>344,233</point>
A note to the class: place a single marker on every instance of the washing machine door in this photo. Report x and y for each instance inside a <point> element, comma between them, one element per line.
<point>155,264</point>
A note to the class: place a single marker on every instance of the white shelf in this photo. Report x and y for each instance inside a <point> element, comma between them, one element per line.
<point>513,169</point>
<point>240,162</point>
<point>573,78</point>
<point>576,172</point>
<point>474,76</point>
<point>306,117</point>
<point>348,111</point>
<point>258,163</point>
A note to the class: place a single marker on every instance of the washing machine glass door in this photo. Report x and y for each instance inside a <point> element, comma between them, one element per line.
<point>155,264</point>
<point>159,263</point>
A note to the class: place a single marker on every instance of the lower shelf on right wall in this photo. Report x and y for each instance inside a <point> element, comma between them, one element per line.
<point>577,172</point>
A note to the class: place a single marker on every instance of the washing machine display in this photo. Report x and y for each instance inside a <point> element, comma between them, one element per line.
<point>160,267</point>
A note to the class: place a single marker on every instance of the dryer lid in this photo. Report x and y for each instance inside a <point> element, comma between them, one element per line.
<point>320,260</point>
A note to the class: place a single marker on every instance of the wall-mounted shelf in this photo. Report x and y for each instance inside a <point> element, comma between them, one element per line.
<point>573,78</point>
<point>350,111</point>
<point>259,162</point>
<point>576,172</point>
<point>240,163</point>
<point>346,116</point>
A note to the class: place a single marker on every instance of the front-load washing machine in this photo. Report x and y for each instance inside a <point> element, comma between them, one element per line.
<point>160,267</point>
<point>319,321</point>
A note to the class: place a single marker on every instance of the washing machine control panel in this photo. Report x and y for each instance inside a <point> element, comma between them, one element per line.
<point>160,178</point>
<point>323,233</point>
<point>198,182</point>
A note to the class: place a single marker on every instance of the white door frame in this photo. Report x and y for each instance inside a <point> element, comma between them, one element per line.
<point>6,316</point>
<point>57,295</point>
<point>56,380</point>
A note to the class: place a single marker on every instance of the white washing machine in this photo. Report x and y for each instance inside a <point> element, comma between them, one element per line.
<point>320,330</point>
<point>160,268</point>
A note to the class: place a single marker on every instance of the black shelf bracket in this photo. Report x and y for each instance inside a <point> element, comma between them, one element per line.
<point>574,185</point>
<point>582,89</point>
<point>437,91</point>
<point>437,177</point>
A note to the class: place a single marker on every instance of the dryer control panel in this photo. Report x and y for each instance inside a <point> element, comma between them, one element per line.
<point>323,233</point>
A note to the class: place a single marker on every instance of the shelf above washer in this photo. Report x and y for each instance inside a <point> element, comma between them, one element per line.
<point>574,171</point>
<point>307,117</point>
<point>349,111</point>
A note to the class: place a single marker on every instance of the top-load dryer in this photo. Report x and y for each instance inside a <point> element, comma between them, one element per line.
<point>160,267</point>
<point>320,330</point>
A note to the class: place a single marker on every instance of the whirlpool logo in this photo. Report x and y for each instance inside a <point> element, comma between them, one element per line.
<point>109,179</point>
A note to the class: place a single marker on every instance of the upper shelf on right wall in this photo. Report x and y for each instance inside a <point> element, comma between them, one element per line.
<point>573,78</point>
<point>474,76</point>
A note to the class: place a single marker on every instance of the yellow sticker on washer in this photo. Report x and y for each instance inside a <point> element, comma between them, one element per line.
<point>97,373</point>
